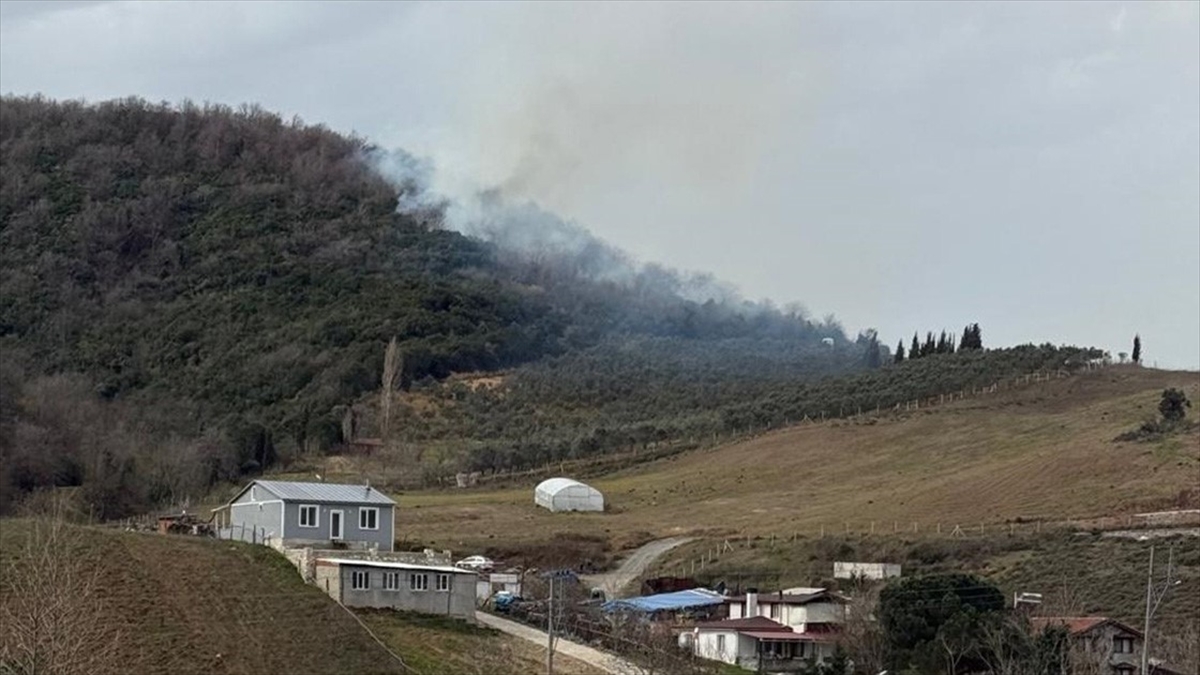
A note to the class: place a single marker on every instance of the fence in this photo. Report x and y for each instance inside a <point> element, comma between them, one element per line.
<point>713,550</point>
<point>252,534</point>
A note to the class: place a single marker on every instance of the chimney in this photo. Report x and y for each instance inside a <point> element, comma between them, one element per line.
<point>367,489</point>
<point>751,603</point>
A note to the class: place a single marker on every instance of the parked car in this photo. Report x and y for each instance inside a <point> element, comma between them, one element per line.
<point>476,562</point>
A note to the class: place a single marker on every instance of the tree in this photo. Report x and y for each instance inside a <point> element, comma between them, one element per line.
<point>1137,348</point>
<point>972,338</point>
<point>930,621</point>
<point>873,357</point>
<point>899,357</point>
<point>914,352</point>
<point>392,366</point>
<point>53,609</point>
<point>930,346</point>
<point>1174,405</point>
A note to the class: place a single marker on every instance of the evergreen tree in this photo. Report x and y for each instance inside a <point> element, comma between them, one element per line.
<point>899,357</point>
<point>930,347</point>
<point>1137,348</point>
<point>874,356</point>
<point>967,341</point>
<point>914,352</point>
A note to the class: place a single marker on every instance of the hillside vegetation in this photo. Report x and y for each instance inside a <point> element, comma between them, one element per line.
<point>218,285</point>
<point>1041,451</point>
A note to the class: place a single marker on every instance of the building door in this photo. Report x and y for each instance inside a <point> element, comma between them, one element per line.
<point>335,525</point>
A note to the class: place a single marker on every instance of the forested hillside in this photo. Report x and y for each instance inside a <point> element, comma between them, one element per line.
<point>189,294</point>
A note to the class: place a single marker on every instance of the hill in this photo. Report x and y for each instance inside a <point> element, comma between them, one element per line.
<point>95,600</point>
<point>219,285</point>
<point>1039,452</point>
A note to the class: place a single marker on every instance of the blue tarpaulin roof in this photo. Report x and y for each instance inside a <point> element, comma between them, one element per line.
<point>697,597</point>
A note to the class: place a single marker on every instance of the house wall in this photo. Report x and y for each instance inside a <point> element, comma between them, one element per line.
<point>458,602</point>
<point>1097,647</point>
<point>257,521</point>
<point>799,616</point>
<point>706,646</point>
<point>295,535</point>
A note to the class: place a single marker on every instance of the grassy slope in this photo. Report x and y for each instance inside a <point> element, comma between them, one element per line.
<point>434,645</point>
<point>1042,451</point>
<point>201,606</point>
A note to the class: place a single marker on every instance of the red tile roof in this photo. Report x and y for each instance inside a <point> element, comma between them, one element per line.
<point>752,623</point>
<point>1080,624</point>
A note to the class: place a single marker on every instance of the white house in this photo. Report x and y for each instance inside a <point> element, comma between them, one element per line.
<point>810,611</point>
<point>757,642</point>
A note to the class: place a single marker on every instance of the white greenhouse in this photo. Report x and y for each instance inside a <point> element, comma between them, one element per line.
<point>564,494</point>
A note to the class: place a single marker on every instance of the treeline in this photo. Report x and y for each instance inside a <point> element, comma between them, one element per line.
<point>972,339</point>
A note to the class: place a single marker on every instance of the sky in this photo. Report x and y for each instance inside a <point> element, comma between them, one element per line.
<point>1033,167</point>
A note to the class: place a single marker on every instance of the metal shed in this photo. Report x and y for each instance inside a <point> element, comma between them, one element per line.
<point>565,494</point>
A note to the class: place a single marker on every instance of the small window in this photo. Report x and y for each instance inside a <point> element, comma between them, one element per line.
<point>360,580</point>
<point>418,582</point>
<point>721,644</point>
<point>368,518</point>
<point>443,582</point>
<point>308,515</point>
<point>391,581</point>
<point>1123,645</point>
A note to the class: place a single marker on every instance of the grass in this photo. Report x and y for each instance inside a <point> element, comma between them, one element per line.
<point>190,605</point>
<point>439,646</point>
<point>1044,452</point>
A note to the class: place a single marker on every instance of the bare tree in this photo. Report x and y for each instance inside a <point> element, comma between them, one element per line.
<point>392,365</point>
<point>862,637</point>
<point>51,607</point>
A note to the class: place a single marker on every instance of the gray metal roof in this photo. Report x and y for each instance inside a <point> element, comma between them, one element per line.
<point>323,492</point>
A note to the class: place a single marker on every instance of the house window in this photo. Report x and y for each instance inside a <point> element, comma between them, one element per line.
<point>418,582</point>
<point>391,581</point>
<point>360,580</point>
<point>443,582</point>
<point>721,644</point>
<point>308,515</point>
<point>368,518</point>
<point>1123,645</point>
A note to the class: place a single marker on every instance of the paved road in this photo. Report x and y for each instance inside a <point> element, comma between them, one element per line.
<point>616,581</point>
<point>594,657</point>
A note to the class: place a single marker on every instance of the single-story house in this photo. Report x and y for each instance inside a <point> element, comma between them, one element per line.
<point>808,610</point>
<point>1114,647</point>
<point>322,515</point>
<point>429,589</point>
<point>757,641</point>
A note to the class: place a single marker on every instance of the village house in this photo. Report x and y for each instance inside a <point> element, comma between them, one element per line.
<point>321,515</point>
<point>807,610</point>
<point>760,644</point>
<point>1112,646</point>
<point>429,589</point>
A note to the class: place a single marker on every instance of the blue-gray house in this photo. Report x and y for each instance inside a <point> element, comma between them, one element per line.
<point>321,515</point>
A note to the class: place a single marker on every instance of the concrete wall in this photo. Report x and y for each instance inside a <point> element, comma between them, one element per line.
<point>707,646</point>
<point>850,570</point>
<point>382,538</point>
<point>458,602</point>
<point>305,558</point>
<point>798,616</point>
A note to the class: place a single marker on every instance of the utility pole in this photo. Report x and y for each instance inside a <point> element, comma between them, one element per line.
<point>550,629</point>
<point>1152,603</point>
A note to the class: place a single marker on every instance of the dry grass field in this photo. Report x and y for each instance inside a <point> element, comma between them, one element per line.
<point>1044,451</point>
<point>176,604</point>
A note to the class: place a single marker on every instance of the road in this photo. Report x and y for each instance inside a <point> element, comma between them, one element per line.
<point>589,655</point>
<point>632,567</point>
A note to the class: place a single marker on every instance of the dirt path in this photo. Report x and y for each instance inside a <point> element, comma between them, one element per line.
<point>616,581</point>
<point>594,657</point>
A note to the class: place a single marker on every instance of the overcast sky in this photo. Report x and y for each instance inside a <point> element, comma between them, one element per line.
<point>1034,167</point>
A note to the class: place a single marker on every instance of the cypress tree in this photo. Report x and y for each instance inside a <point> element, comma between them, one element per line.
<point>966,343</point>
<point>914,352</point>
<point>1137,348</point>
<point>930,347</point>
<point>899,357</point>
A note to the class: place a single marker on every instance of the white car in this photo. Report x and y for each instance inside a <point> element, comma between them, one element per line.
<point>476,562</point>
